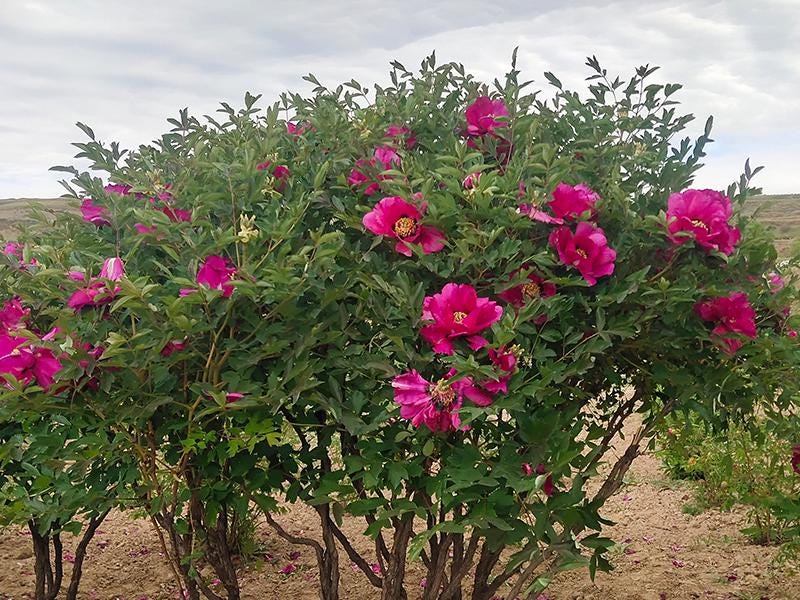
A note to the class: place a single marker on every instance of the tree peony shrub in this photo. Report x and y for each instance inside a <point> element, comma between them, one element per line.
<point>454,385</point>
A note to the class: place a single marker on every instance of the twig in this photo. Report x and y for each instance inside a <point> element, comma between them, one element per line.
<point>356,557</point>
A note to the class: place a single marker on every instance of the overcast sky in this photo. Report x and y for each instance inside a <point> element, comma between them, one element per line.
<point>124,67</point>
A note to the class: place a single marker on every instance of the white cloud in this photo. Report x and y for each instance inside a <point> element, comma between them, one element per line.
<point>125,67</point>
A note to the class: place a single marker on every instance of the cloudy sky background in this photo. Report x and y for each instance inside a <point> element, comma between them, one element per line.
<point>124,67</point>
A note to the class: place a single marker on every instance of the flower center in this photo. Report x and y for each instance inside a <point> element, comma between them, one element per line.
<point>459,316</point>
<point>442,394</point>
<point>700,224</point>
<point>582,253</point>
<point>405,227</point>
<point>531,290</point>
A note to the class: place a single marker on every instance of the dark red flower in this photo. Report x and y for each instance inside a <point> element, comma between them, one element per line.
<point>547,487</point>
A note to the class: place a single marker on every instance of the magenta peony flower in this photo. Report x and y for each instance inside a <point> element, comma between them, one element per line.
<point>396,218</point>
<point>94,213</point>
<point>113,269</point>
<point>401,134</point>
<point>435,405</point>
<point>13,249</point>
<point>535,214</point>
<point>587,250</point>
<point>457,311</point>
<point>176,215</point>
<point>776,282</point>
<point>144,229</point>
<point>281,173</point>
<point>792,333</point>
<point>536,287</point>
<point>216,272</point>
<point>298,129</point>
<point>27,363</point>
<point>548,487</point>
<point>570,202</point>
<point>12,314</point>
<point>383,159</point>
<point>733,316</point>
<point>387,157</point>
<point>95,294</point>
<point>505,361</point>
<point>166,196</point>
<point>173,346</point>
<point>92,356</point>
<point>118,188</point>
<point>482,116</point>
<point>232,397</point>
<point>704,214</point>
<point>471,180</point>
<point>357,177</point>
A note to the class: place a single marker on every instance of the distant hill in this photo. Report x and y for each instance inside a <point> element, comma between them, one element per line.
<point>781,212</point>
<point>13,211</point>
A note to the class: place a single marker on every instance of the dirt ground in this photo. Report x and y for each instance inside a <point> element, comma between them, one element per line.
<point>662,554</point>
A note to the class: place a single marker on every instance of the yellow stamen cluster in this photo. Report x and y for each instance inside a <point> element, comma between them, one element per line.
<point>699,224</point>
<point>459,316</point>
<point>405,227</point>
<point>582,253</point>
<point>442,394</point>
<point>531,290</point>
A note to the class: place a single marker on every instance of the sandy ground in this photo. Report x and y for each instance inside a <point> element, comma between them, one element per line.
<point>662,553</point>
